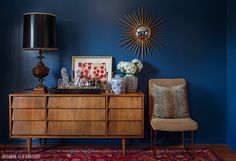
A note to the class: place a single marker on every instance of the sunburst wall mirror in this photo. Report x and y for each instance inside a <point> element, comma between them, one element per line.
<point>140,32</point>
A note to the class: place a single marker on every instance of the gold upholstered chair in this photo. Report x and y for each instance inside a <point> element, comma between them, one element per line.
<point>175,124</point>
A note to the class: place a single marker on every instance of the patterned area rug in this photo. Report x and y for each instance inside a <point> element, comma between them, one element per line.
<point>181,154</point>
<point>89,153</point>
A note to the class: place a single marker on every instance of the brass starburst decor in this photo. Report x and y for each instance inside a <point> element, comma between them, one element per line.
<point>140,32</point>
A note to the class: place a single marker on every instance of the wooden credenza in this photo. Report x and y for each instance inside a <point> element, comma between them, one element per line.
<point>76,116</point>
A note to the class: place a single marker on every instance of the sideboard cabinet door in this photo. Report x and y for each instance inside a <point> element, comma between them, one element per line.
<point>28,128</point>
<point>76,102</point>
<point>76,128</point>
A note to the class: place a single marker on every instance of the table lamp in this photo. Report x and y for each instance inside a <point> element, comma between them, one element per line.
<point>39,33</point>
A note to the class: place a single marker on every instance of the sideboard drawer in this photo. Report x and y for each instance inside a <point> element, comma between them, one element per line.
<point>29,114</point>
<point>29,128</point>
<point>76,128</point>
<point>125,114</point>
<point>125,102</point>
<point>76,102</point>
<point>125,128</point>
<point>76,114</point>
<point>28,102</point>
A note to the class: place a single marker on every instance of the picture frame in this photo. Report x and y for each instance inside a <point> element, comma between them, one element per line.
<point>93,68</point>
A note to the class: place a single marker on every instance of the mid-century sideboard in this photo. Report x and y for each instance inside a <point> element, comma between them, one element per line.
<point>76,116</point>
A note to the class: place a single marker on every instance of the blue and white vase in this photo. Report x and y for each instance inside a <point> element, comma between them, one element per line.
<point>118,84</point>
<point>131,83</point>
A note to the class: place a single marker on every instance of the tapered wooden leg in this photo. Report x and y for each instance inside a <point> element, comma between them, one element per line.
<point>123,146</point>
<point>29,145</point>
<point>182,137</point>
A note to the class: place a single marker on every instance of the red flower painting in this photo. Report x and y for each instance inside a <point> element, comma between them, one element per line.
<point>93,71</point>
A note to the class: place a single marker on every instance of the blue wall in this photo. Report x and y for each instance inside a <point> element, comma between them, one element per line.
<point>194,33</point>
<point>231,73</point>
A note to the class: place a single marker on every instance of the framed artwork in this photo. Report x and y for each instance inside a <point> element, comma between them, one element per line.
<point>92,68</point>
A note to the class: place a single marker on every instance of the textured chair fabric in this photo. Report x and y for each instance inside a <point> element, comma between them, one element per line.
<point>170,102</point>
<point>168,124</point>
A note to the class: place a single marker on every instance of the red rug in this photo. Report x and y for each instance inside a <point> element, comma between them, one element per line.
<point>181,154</point>
<point>89,153</point>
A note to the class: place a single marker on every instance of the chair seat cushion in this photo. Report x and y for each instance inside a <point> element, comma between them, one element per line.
<point>183,124</point>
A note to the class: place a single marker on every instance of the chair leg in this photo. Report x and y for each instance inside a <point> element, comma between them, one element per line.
<point>192,137</point>
<point>155,137</point>
<point>182,137</point>
<point>151,136</point>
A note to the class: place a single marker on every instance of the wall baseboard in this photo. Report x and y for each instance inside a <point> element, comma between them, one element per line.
<point>117,141</point>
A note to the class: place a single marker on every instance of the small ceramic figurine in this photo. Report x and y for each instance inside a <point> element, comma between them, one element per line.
<point>77,78</point>
<point>78,81</point>
<point>64,82</point>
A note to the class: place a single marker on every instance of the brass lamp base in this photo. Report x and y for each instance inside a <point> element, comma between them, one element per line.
<point>40,90</point>
<point>40,71</point>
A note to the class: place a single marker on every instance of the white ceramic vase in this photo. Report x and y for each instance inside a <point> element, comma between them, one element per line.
<point>118,84</point>
<point>131,83</point>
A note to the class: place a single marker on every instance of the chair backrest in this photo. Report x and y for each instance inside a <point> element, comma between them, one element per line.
<point>161,82</point>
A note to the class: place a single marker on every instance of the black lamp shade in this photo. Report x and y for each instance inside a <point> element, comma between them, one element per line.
<point>39,31</point>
